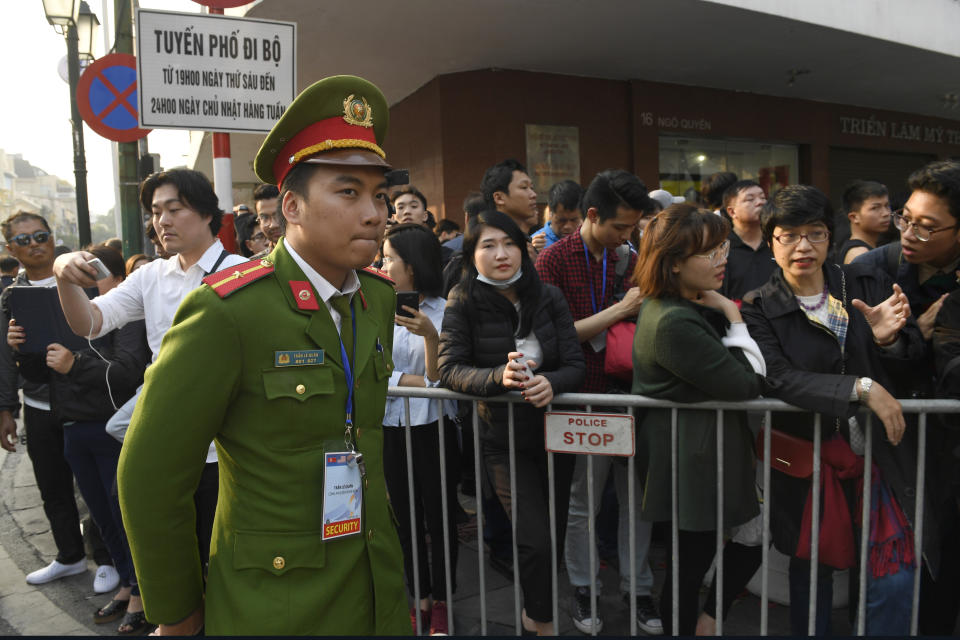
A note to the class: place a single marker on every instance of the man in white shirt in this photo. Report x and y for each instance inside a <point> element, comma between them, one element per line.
<point>186,217</point>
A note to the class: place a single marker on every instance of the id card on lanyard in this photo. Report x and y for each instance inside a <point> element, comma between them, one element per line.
<point>599,341</point>
<point>343,471</point>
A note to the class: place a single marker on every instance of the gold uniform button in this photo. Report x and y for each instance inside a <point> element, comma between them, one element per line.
<point>279,563</point>
<point>265,263</point>
<point>370,534</point>
<point>301,389</point>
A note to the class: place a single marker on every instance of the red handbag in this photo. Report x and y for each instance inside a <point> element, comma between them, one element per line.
<point>788,454</point>
<point>618,358</point>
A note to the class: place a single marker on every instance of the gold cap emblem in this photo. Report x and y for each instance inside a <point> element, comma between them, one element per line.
<point>357,111</point>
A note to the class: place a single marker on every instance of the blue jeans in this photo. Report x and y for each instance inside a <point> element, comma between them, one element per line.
<point>889,603</point>
<point>93,457</point>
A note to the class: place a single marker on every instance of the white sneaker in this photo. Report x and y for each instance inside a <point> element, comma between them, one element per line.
<point>56,570</point>
<point>107,579</point>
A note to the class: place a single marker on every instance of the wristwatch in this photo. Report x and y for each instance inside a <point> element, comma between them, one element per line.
<point>864,395</point>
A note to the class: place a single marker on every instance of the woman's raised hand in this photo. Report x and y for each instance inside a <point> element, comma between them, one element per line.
<point>887,318</point>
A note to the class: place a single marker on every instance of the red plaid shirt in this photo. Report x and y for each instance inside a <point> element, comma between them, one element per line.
<point>564,265</point>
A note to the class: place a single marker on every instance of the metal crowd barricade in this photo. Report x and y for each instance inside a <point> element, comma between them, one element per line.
<point>921,407</point>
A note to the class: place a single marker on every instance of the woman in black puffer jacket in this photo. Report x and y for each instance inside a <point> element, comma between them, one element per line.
<point>505,330</point>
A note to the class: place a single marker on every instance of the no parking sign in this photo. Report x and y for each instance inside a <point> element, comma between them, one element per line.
<point>107,98</point>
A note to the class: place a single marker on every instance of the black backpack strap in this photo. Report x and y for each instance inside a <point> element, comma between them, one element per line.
<point>623,261</point>
<point>216,265</point>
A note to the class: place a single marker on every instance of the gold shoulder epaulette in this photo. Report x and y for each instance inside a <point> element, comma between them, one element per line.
<point>233,278</point>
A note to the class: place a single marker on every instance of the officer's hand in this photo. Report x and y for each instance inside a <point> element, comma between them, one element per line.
<point>8,431</point>
<point>189,626</point>
<point>538,391</point>
<point>59,358</point>
<point>418,325</point>
<point>515,374</point>
<point>73,268</point>
<point>16,335</point>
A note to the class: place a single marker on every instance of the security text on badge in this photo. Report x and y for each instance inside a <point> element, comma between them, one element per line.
<point>605,434</point>
<point>342,495</point>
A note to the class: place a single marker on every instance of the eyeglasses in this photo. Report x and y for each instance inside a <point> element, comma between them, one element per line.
<point>921,232</point>
<point>258,237</point>
<point>24,238</point>
<point>717,256</point>
<point>814,237</point>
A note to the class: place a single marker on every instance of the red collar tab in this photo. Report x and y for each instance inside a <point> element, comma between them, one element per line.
<point>303,294</point>
<point>363,300</point>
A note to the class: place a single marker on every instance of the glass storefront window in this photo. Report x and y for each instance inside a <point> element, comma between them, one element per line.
<point>685,162</point>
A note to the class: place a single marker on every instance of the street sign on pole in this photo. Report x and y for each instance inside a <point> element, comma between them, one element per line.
<point>107,98</point>
<point>212,72</point>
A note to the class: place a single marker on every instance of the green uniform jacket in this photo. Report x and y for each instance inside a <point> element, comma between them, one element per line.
<point>678,355</point>
<point>270,573</point>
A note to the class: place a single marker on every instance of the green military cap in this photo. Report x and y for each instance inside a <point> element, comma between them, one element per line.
<point>337,120</point>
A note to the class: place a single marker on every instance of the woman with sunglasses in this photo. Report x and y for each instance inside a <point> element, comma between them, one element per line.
<point>830,334</point>
<point>691,346</point>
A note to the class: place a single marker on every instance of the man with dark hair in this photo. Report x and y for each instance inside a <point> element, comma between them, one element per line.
<point>565,218</point>
<point>593,267</point>
<point>266,200</point>
<point>867,205</point>
<point>410,205</point>
<point>446,229</point>
<point>925,264</point>
<point>9,268</point>
<point>186,217</point>
<point>29,241</point>
<point>507,188</point>
<point>714,187</point>
<point>750,263</point>
<point>304,543</point>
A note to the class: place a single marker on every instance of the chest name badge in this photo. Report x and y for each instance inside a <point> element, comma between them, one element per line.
<point>342,495</point>
<point>301,358</point>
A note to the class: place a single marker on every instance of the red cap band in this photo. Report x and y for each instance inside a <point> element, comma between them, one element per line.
<point>332,133</point>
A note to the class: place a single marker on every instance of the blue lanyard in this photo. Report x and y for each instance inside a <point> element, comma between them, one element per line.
<point>348,369</point>
<point>603,289</point>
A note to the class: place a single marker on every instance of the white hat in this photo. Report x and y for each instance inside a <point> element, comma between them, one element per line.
<point>665,198</point>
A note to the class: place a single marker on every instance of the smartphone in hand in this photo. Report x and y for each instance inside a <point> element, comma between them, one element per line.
<point>407,299</point>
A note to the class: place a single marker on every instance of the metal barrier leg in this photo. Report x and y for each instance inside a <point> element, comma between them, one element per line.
<point>554,569</point>
<point>674,526</point>
<point>918,520</point>
<point>765,564</point>
<point>513,519</point>
<point>447,569</point>
<point>631,492</point>
<point>814,529</point>
<point>865,526</point>
<point>478,474</point>
<point>718,575</point>
<point>412,502</point>
<point>592,538</point>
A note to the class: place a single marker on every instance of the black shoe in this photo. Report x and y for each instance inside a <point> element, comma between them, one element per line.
<point>648,615</point>
<point>581,612</point>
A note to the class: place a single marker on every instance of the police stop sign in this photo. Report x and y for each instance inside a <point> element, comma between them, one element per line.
<point>605,434</point>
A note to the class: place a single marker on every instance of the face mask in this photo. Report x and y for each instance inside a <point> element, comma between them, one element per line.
<point>501,284</point>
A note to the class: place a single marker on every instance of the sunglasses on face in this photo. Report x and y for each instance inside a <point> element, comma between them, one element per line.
<point>24,238</point>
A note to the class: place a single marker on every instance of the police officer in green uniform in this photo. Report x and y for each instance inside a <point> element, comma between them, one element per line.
<point>284,363</point>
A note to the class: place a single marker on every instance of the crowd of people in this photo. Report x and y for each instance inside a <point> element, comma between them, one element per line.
<point>746,292</point>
